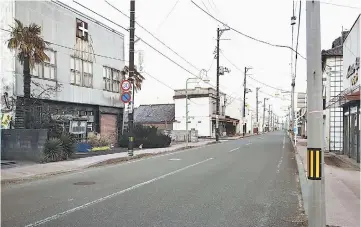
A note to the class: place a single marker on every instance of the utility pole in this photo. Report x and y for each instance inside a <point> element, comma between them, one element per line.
<point>219,33</point>
<point>269,115</point>
<point>131,76</point>
<point>244,99</point>
<point>315,154</point>
<point>257,89</point>
<point>264,112</point>
<point>217,101</point>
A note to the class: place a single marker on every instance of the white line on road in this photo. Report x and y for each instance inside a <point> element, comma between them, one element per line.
<point>284,139</point>
<point>279,165</point>
<point>234,149</point>
<point>174,159</point>
<point>56,216</point>
<point>248,144</point>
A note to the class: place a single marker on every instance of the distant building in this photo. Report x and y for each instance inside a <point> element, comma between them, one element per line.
<point>86,57</point>
<point>160,116</point>
<point>202,112</point>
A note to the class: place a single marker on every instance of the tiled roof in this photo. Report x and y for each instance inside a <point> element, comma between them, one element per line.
<point>154,113</point>
<point>336,51</point>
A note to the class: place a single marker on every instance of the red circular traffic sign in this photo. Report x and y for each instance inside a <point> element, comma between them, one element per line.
<point>126,85</point>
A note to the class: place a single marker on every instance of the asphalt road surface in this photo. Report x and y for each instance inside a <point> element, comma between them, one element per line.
<point>248,182</point>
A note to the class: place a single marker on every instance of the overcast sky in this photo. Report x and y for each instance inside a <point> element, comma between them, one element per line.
<point>191,33</point>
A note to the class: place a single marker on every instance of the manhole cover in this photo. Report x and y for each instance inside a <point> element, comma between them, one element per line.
<point>84,183</point>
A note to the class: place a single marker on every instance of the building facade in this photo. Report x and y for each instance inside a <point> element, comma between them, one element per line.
<point>82,78</point>
<point>332,74</point>
<point>350,97</point>
<point>201,111</point>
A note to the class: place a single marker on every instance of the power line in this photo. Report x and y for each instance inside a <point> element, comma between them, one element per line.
<point>340,5</point>
<point>170,12</point>
<point>248,36</point>
<point>166,85</point>
<point>251,76</point>
<point>215,6</point>
<point>298,34</point>
<point>155,49</point>
<point>150,33</point>
<point>205,6</point>
<point>71,48</point>
<point>88,17</point>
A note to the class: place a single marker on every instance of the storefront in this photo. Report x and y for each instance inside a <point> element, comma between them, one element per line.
<point>350,97</point>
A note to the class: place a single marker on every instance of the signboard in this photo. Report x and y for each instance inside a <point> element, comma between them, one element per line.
<point>126,97</point>
<point>352,70</point>
<point>126,85</point>
<point>78,127</point>
<point>301,100</point>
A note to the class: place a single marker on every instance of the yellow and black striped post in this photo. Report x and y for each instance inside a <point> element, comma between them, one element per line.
<point>314,163</point>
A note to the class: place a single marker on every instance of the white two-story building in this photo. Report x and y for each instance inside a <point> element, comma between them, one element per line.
<point>82,78</point>
<point>202,112</point>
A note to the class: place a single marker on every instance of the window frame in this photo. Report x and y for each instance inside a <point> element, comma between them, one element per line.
<point>81,72</point>
<point>108,79</point>
<point>41,67</point>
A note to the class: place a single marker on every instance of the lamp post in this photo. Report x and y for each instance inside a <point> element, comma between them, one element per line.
<point>188,81</point>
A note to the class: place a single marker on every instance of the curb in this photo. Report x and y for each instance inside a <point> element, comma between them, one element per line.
<point>302,177</point>
<point>127,159</point>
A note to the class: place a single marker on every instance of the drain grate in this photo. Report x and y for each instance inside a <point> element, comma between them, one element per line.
<point>84,183</point>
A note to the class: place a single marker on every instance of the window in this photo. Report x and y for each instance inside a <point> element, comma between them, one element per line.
<point>111,78</point>
<point>81,72</point>
<point>47,69</point>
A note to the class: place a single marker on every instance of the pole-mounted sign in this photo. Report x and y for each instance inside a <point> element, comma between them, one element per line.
<point>126,85</point>
<point>126,97</point>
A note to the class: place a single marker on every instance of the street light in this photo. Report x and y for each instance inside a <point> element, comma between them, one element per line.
<point>206,80</point>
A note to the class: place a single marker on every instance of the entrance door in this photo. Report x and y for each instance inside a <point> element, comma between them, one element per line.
<point>353,136</point>
<point>346,136</point>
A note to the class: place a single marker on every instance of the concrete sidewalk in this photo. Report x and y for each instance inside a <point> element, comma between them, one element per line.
<point>342,188</point>
<point>40,170</point>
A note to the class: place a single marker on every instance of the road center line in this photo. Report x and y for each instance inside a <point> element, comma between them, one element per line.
<point>234,149</point>
<point>284,139</point>
<point>56,216</point>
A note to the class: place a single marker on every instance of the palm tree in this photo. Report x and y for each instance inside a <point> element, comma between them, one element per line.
<point>138,78</point>
<point>30,47</point>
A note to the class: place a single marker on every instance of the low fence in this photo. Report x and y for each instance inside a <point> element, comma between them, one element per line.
<point>181,135</point>
<point>23,144</point>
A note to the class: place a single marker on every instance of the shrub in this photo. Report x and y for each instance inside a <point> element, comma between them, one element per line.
<point>103,141</point>
<point>93,140</point>
<point>53,150</point>
<point>147,136</point>
<point>68,145</point>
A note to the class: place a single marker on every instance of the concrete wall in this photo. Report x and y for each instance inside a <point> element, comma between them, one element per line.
<point>23,144</point>
<point>200,111</point>
<point>59,27</point>
<point>181,135</point>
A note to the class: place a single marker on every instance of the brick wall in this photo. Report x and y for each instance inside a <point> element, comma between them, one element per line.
<point>108,126</point>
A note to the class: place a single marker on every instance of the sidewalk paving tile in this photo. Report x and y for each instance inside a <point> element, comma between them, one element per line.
<point>342,188</point>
